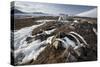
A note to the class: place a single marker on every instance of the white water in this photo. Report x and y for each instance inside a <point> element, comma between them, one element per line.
<point>21,35</point>
<point>30,50</point>
<point>33,49</point>
<point>70,42</point>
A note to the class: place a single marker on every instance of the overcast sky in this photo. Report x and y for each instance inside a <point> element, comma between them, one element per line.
<point>51,8</point>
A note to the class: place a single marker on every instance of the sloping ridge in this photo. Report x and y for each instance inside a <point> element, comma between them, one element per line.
<point>15,10</point>
<point>91,13</point>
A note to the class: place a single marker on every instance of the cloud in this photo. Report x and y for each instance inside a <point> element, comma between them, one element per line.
<point>50,8</point>
<point>27,6</point>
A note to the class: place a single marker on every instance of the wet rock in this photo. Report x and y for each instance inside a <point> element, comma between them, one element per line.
<point>29,39</point>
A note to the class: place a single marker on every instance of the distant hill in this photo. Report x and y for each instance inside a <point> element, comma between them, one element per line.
<point>14,10</point>
<point>38,13</point>
<point>19,13</point>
